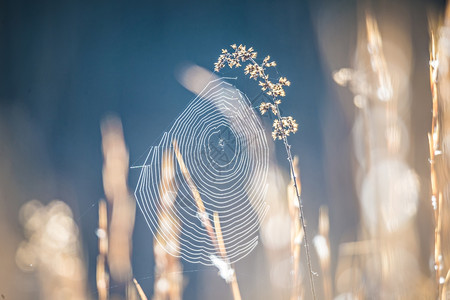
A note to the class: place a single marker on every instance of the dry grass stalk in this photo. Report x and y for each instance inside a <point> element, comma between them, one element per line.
<point>445,290</point>
<point>434,144</point>
<point>139,289</point>
<point>169,279</point>
<point>218,230</point>
<point>223,252</point>
<point>296,234</point>
<point>282,126</point>
<point>131,292</point>
<point>115,241</point>
<point>102,233</point>
<point>225,270</point>
<point>380,133</point>
<point>384,91</point>
<point>441,163</point>
<point>198,200</point>
<point>115,173</point>
<point>294,177</point>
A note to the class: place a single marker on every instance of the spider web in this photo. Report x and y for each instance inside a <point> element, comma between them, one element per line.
<point>225,150</point>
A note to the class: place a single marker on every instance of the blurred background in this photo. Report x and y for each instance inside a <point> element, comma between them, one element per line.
<point>66,66</point>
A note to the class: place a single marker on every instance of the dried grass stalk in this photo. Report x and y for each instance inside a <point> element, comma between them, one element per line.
<point>102,233</point>
<point>215,234</point>
<point>434,143</point>
<point>223,252</point>
<point>282,126</point>
<point>115,173</point>
<point>139,289</point>
<point>195,193</point>
<point>169,278</point>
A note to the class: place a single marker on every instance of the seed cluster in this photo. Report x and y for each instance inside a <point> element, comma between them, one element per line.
<point>282,126</point>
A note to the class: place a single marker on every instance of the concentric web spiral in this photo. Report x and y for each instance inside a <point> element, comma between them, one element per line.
<point>224,149</point>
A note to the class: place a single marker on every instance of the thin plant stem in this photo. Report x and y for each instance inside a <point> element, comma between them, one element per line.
<point>223,252</point>
<point>300,207</point>
<point>296,235</point>
<point>287,147</point>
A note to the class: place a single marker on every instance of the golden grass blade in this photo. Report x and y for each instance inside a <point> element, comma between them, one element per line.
<point>139,289</point>
<point>169,278</point>
<point>215,235</point>
<point>115,173</point>
<point>434,143</point>
<point>198,200</point>
<point>101,274</point>
<point>235,289</point>
<point>223,253</point>
<point>187,177</point>
<point>219,236</point>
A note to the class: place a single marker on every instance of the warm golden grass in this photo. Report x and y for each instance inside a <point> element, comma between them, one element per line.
<point>223,252</point>
<point>115,174</point>
<point>434,143</point>
<point>169,279</point>
<point>139,289</point>
<point>102,275</point>
<point>195,193</point>
<point>115,236</point>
